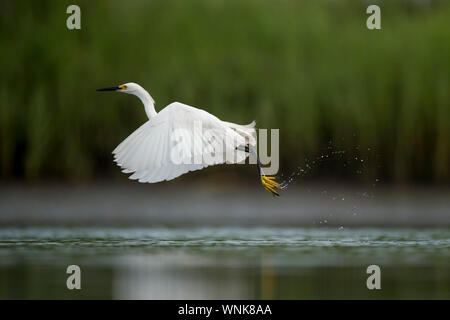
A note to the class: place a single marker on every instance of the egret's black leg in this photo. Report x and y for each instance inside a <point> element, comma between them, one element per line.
<point>268,183</point>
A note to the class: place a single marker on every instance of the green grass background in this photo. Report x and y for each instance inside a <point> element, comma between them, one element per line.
<point>310,68</point>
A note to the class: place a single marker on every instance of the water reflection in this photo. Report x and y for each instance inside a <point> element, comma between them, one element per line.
<point>181,276</point>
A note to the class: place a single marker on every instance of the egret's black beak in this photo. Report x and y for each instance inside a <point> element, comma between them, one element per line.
<point>109,89</point>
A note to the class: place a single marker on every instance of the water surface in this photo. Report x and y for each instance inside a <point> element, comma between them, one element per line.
<point>224,263</point>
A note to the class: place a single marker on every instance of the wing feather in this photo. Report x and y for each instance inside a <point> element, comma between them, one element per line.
<point>147,152</point>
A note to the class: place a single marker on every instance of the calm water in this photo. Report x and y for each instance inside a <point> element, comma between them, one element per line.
<point>224,263</point>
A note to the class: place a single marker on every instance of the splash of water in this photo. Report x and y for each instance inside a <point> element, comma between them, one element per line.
<point>309,165</point>
<point>329,154</point>
<point>332,155</point>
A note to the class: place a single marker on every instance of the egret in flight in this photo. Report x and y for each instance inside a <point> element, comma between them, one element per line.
<point>181,138</point>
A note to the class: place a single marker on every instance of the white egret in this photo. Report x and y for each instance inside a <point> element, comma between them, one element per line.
<point>181,138</point>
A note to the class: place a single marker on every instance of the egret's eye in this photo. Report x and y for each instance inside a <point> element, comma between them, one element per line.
<point>122,86</point>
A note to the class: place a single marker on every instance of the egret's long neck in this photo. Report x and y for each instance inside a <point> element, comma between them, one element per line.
<point>147,100</point>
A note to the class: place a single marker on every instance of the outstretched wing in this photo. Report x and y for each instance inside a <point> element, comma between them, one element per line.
<point>179,139</point>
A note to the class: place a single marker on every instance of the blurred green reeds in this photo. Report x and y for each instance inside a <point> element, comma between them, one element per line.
<point>310,68</point>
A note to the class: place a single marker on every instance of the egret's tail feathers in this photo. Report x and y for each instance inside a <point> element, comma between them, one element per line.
<point>247,131</point>
<point>270,185</point>
<point>250,125</point>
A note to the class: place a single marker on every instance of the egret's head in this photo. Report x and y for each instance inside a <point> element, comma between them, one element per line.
<point>138,91</point>
<point>129,87</point>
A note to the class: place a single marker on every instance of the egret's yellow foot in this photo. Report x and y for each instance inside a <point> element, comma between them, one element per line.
<point>270,185</point>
